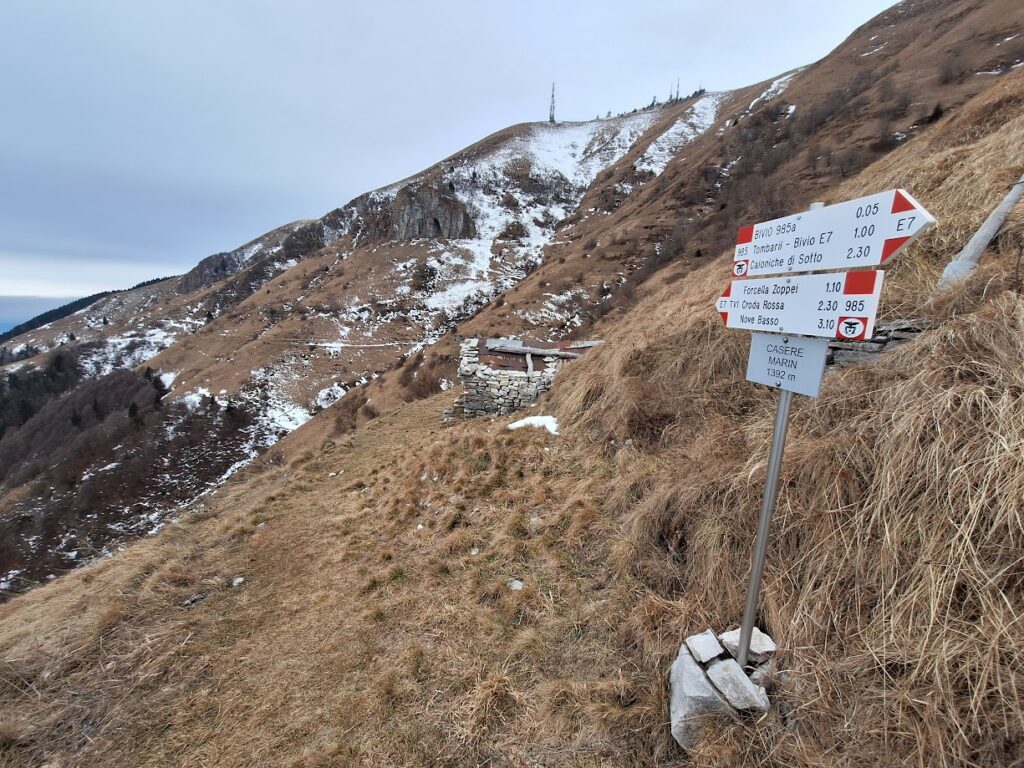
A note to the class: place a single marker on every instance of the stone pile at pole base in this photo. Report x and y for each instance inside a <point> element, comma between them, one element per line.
<point>706,681</point>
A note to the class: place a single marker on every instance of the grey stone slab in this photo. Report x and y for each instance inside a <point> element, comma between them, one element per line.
<point>764,675</point>
<point>692,698</point>
<point>704,646</point>
<point>851,357</point>
<point>915,324</point>
<point>733,683</point>
<point>860,346</point>
<point>761,645</point>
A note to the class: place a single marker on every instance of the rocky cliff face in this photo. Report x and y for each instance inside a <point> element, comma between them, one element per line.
<point>416,210</point>
<point>208,271</point>
<point>429,211</point>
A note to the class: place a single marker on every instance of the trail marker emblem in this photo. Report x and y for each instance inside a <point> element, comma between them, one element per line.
<point>852,328</point>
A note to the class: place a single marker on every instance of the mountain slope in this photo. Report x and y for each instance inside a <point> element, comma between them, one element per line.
<point>376,623</point>
<point>539,229</point>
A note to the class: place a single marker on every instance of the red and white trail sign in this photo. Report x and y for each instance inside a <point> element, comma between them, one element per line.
<point>865,232</point>
<point>836,305</point>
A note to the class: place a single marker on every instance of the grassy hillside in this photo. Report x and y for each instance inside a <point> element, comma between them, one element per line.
<point>377,622</point>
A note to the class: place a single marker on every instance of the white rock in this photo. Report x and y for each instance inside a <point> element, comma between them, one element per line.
<point>515,585</point>
<point>761,646</point>
<point>704,646</point>
<point>691,698</point>
<point>474,551</point>
<point>732,681</point>
<point>419,527</point>
<point>238,581</point>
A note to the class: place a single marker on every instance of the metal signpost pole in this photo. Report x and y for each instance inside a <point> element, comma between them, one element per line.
<point>771,490</point>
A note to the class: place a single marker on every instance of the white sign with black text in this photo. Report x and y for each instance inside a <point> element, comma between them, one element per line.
<point>794,363</point>
<point>833,305</point>
<point>865,232</point>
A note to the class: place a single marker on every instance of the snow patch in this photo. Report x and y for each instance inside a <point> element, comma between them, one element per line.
<point>698,119</point>
<point>777,87</point>
<point>328,396</point>
<point>126,351</point>
<point>550,423</point>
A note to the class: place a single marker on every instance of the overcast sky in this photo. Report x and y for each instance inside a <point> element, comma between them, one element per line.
<point>138,137</point>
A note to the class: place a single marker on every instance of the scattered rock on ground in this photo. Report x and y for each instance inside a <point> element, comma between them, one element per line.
<point>238,581</point>
<point>515,585</point>
<point>763,675</point>
<point>193,599</point>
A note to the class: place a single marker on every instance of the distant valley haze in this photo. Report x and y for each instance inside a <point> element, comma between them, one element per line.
<point>16,309</point>
<point>139,138</point>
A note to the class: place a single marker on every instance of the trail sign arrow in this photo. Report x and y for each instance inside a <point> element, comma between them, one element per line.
<point>836,305</point>
<point>865,232</point>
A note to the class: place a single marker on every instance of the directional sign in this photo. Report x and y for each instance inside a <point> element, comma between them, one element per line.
<point>794,363</point>
<point>858,233</point>
<point>836,305</point>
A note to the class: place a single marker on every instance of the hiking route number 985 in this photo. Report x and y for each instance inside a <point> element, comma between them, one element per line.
<point>865,232</point>
<point>836,305</point>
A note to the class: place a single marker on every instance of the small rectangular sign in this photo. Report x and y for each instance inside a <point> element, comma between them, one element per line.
<point>795,363</point>
<point>865,232</point>
<point>836,305</point>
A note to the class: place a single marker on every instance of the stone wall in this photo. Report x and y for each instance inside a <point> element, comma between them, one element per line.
<point>497,391</point>
<point>887,336</point>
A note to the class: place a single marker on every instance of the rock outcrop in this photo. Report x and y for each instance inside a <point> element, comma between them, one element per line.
<point>220,265</point>
<point>427,211</point>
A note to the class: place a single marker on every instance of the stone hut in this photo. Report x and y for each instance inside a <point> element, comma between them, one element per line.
<point>500,376</point>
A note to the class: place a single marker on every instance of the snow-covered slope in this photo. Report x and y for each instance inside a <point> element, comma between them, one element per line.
<point>513,224</point>
<point>697,119</point>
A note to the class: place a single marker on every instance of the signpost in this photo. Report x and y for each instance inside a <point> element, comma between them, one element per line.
<point>839,305</point>
<point>783,310</point>
<point>865,232</point>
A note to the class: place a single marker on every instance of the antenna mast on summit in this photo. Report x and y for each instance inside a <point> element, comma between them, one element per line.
<point>551,113</point>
